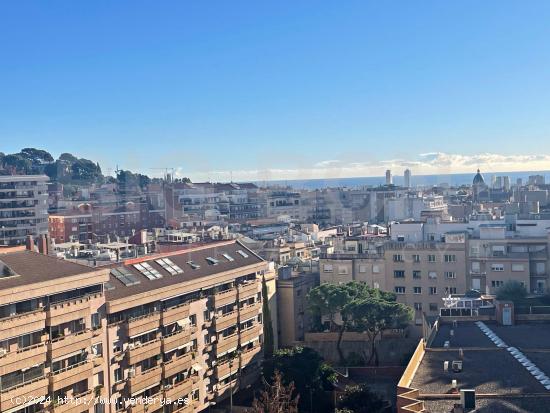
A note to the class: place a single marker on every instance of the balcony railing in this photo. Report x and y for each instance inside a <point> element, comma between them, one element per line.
<point>171,315</point>
<point>15,396</point>
<point>145,380</point>
<point>70,343</point>
<point>143,323</point>
<point>21,324</point>
<point>250,311</point>
<point>179,390</point>
<point>71,375</point>
<point>69,310</point>
<point>175,340</point>
<point>144,351</point>
<point>221,322</point>
<point>177,365</point>
<point>23,358</point>
<point>225,297</point>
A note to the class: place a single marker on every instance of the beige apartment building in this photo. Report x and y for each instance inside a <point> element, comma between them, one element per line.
<point>419,273</point>
<point>167,333</point>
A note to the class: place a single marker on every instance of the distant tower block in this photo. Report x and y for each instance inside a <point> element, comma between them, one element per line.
<point>389,179</point>
<point>407,178</point>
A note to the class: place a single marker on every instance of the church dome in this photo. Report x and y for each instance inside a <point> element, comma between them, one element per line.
<point>478,179</point>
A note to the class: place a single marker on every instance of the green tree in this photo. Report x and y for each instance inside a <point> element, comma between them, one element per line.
<point>361,308</point>
<point>269,344</point>
<point>276,397</point>
<point>37,156</point>
<point>512,291</point>
<point>17,163</point>
<point>306,369</point>
<point>360,399</point>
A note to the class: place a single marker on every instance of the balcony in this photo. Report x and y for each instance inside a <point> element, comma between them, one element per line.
<point>71,375</point>
<point>70,344</point>
<point>12,398</point>
<point>250,355</point>
<point>150,404</point>
<point>22,358</point>
<point>171,315</point>
<point>225,344</point>
<point>21,324</point>
<point>177,365</point>
<point>175,340</point>
<point>222,370</point>
<point>69,310</point>
<point>250,334</point>
<point>250,311</point>
<point>145,380</point>
<point>221,322</point>
<point>248,289</point>
<point>179,390</point>
<point>143,324</point>
<point>144,351</point>
<point>76,403</point>
<point>225,297</point>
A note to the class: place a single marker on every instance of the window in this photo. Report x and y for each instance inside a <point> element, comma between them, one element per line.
<point>193,265</point>
<point>342,269</point>
<point>433,307</point>
<point>431,258</point>
<point>476,267</point>
<point>193,320</point>
<point>397,258</point>
<point>450,258</point>
<point>518,267</point>
<point>206,315</point>
<point>118,375</point>
<point>375,269</point>
<point>96,320</point>
<point>400,290</point>
<point>432,275</point>
<point>497,267</point>
<point>416,258</point>
<point>242,253</point>
<point>362,268</point>
<point>417,274</point>
<point>450,290</point>
<point>417,290</point>
<point>450,274</point>
<point>418,306</point>
<point>212,261</point>
<point>399,274</point>
<point>497,283</point>
<point>433,291</point>
<point>327,267</point>
<point>228,257</point>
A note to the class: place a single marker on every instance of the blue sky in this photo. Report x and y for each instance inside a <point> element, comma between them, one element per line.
<point>281,89</point>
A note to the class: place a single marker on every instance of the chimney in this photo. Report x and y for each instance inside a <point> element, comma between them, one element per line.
<point>43,245</point>
<point>29,244</point>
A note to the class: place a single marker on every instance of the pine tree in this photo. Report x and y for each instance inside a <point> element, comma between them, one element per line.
<point>276,398</point>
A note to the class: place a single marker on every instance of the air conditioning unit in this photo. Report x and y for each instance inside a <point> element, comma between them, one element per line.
<point>137,343</point>
<point>131,373</point>
<point>131,346</point>
<point>167,386</point>
<point>457,366</point>
<point>3,352</point>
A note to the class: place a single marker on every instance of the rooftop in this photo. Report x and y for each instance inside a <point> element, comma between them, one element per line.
<point>201,267</point>
<point>501,382</point>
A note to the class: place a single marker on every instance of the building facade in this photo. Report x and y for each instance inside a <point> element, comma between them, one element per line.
<point>174,332</point>
<point>23,208</point>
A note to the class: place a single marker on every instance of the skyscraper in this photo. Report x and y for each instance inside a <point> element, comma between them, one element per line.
<point>389,180</point>
<point>407,178</point>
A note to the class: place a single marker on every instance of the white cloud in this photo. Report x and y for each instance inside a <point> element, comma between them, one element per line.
<point>422,164</point>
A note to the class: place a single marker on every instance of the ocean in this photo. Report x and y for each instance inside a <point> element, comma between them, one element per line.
<point>416,180</point>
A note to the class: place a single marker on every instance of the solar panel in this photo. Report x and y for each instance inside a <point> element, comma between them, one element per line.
<point>228,257</point>
<point>124,276</point>
<point>108,286</point>
<point>153,271</point>
<point>169,266</point>
<point>145,272</point>
<point>242,253</point>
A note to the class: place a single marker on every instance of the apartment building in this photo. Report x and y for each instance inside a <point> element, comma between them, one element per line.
<point>293,316</point>
<point>23,208</point>
<point>174,332</point>
<point>90,222</point>
<point>52,334</point>
<point>419,273</point>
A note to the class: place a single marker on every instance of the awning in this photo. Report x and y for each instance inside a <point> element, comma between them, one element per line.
<point>64,356</point>
<point>248,319</point>
<point>146,388</point>
<point>183,322</point>
<point>225,352</point>
<point>145,332</point>
<point>249,341</point>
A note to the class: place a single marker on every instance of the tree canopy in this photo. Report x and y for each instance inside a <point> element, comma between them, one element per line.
<point>512,291</point>
<point>305,368</point>
<point>361,399</point>
<point>360,308</point>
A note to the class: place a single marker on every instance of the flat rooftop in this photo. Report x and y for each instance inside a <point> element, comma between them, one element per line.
<point>501,382</point>
<point>31,267</point>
